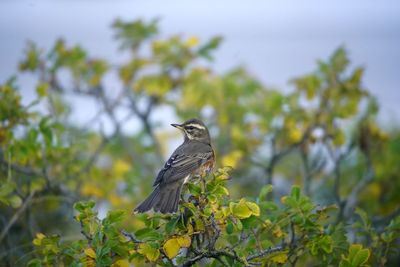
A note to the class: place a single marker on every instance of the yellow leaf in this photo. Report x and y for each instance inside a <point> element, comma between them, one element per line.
<point>240,210</point>
<point>295,135</point>
<point>184,241</point>
<point>40,236</point>
<point>171,248</point>
<point>121,263</point>
<point>115,199</point>
<point>280,257</point>
<point>277,232</point>
<point>91,189</point>
<point>199,225</point>
<point>121,167</point>
<point>189,227</point>
<point>232,158</point>
<point>254,208</point>
<point>38,240</point>
<point>339,138</point>
<point>90,252</point>
<point>151,253</point>
<point>192,41</point>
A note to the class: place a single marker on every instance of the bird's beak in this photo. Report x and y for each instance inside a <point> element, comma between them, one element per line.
<point>179,126</point>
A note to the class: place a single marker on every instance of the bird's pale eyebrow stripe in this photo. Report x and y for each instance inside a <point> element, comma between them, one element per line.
<point>198,126</point>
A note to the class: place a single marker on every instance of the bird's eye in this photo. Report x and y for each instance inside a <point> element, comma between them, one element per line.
<point>190,127</point>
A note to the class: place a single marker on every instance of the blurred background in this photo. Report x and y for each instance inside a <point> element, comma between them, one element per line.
<point>293,92</point>
<point>274,40</point>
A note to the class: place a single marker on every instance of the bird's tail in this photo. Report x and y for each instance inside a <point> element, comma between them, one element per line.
<point>164,198</point>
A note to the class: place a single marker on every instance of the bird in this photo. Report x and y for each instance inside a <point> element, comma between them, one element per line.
<point>195,156</point>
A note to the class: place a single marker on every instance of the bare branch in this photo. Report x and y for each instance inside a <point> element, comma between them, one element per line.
<point>16,215</point>
<point>265,252</point>
<point>352,199</point>
<point>130,236</point>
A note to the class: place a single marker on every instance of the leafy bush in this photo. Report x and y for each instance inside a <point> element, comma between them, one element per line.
<point>313,178</point>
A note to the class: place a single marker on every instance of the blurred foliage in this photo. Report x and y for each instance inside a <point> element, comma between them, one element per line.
<point>313,179</point>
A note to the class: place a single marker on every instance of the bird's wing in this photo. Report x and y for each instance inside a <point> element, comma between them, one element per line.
<point>181,164</point>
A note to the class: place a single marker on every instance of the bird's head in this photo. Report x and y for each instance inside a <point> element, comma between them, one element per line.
<point>194,129</point>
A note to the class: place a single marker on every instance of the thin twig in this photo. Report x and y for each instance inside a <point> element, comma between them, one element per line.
<point>130,236</point>
<point>16,215</point>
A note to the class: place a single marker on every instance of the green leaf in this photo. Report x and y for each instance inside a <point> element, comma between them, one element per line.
<point>363,215</point>
<point>295,193</point>
<point>114,216</point>
<point>42,89</point>
<point>7,188</point>
<point>83,205</point>
<point>265,190</point>
<point>359,256</point>
<point>171,225</point>
<point>206,49</point>
<point>15,201</point>
<point>195,190</point>
<point>148,234</point>
<point>339,60</point>
<point>229,228</point>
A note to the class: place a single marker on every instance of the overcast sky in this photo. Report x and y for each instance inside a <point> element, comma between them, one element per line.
<point>275,40</point>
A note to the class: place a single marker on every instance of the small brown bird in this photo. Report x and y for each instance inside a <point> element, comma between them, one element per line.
<point>191,158</point>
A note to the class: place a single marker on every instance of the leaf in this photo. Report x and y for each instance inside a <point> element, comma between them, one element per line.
<point>205,49</point>
<point>82,205</point>
<point>184,241</point>
<point>357,255</point>
<point>240,210</point>
<point>6,188</point>
<point>121,167</point>
<point>295,193</point>
<point>170,226</point>
<point>265,190</point>
<point>171,248</point>
<point>15,201</point>
<point>38,240</point>
<point>221,190</point>
<point>229,228</point>
<point>363,215</point>
<point>90,252</point>
<point>295,134</point>
<point>339,138</point>
<point>148,234</point>
<point>149,252</point>
<point>114,216</point>
<point>339,60</point>
<point>121,263</point>
<point>255,209</point>
<point>345,262</point>
<point>361,257</point>
<point>280,257</point>
<point>42,89</point>
<point>192,42</point>
<point>232,158</point>
<point>353,249</point>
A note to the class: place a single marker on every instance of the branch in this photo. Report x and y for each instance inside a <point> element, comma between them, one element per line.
<point>352,199</point>
<point>130,236</point>
<point>265,252</point>
<point>212,254</point>
<point>16,216</point>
